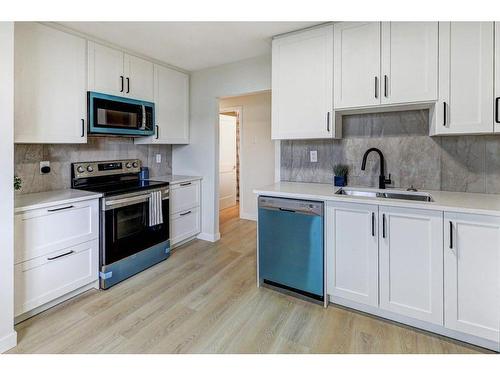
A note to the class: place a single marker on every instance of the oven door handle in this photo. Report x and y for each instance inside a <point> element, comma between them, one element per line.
<point>126,201</point>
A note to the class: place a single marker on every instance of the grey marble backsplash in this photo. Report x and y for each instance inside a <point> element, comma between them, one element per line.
<point>454,163</point>
<point>28,156</point>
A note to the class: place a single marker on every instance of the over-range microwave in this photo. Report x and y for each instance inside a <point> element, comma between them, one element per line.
<point>114,115</point>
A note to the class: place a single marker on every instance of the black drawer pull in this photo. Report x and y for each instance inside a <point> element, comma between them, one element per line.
<point>62,255</point>
<point>186,213</point>
<point>444,113</point>
<point>373,224</point>
<point>83,128</point>
<point>60,209</point>
<point>383,225</point>
<point>121,85</point>
<point>497,118</point>
<point>451,235</point>
<point>186,184</point>
<point>128,85</point>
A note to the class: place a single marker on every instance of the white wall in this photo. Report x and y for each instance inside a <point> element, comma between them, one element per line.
<point>257,151</point>
<point>201,157</point>
<point>7,333</point>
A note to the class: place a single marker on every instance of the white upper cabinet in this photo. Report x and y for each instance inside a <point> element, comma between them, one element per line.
<point>466,78</point>
<point>302,85</point>
<point>171,107</point>
<point>116,73</point>
<point>139,78</point>
<point>50,85</point>
<point>409,62</point>
<point>472,274</point>
<point>411,262</point>
<point>497,77</point>
<point>356,64</point>
<point>352,252</point>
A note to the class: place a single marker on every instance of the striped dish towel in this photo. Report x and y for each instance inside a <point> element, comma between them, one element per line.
<point>155,209</point>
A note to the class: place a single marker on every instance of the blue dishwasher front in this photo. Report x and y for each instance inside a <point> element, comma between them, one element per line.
<point>291,245</point>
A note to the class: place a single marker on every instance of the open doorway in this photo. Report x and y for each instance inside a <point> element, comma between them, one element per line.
<point>246,155</point>
<point>229,166</point>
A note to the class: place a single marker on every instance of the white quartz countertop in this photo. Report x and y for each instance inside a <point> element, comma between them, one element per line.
<point>175,179</point>
<point>488,204</point>
<point>33,201</point>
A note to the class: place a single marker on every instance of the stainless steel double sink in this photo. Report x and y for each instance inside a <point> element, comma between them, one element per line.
<point>391,194</point>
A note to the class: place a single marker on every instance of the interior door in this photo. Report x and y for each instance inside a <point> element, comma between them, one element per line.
<point>356,64</point>
<point>227,161</point>
<point>465,78</point>
<point>411,262</point>
<point>105,70</point>
<point>302,85</point>
<point>409,62</point>
<point>352,252</point>
<point>139,78</point>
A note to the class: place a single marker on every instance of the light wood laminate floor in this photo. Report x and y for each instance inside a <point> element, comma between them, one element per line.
<point>204,299</point>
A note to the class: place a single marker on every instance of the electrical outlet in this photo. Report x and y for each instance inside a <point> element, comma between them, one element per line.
<point>44,167</point>
<point>158,158</point>
<point>313,156</point>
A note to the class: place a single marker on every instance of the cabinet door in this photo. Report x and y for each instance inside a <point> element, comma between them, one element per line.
<point>465,103</point>
<point>472,274</point>
<point>411,262</point>
<point>139,78</point>
<point>50,85</point>
<point>106,73</point>
<point>302,85</point>
<point>352,252</point>
<point>497,77</point>
<point>356,64</point>
<point>409,62</point>
<point>171,107</point>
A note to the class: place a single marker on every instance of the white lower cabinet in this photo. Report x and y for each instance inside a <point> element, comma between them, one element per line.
<point>411,262</point>
<point>472,274</point>
<point>185,208</point>
<point>352,252</point>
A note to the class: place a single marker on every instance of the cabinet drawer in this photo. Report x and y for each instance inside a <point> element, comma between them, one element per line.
<point>184,224</point>
<point>43,279</point>
<point>184,196</point>
<point>40,232</point>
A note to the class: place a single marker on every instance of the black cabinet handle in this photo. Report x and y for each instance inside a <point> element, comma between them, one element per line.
<point>376,87</point>
<point>186,213</point>
<point>128,85</point>
<point>373,224</point>
<point>497,115</point>
<point>444,113</point>
<point>451,235</point>
<point>157,132</point>
<point>186,184</point>
<point>385,86</point>
<point>383,225</point>
<point>60,209</point>
<point>62,255</point>
<point>121,80</point>
<point>83,128</point>
<point>328,122</point>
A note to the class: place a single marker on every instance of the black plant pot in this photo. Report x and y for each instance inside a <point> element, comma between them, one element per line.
<point>340,180</point>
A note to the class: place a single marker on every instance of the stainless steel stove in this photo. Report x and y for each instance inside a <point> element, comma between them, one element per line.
<point>134,213</point>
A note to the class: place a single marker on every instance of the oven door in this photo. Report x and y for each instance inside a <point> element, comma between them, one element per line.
<point>126,227</point>
<point>114,115</point>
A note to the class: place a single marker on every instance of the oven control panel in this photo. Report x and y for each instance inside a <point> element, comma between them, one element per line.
<point>105,168</point>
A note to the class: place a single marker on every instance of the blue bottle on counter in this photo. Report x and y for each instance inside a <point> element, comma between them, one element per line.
<point>144,173</point>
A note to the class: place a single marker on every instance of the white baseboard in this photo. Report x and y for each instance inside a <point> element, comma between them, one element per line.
<point>209,237</point>
<point>8,342</point>
<point>248,216</point>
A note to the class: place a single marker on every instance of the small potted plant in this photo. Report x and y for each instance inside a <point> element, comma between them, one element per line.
<point>340,171</point>
<point>17,183</point>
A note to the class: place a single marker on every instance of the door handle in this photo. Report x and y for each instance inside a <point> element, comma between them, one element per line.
<point>128,85</point>
<point>62,255</point>
<point>373,224</point>
<point>497,115</point>
<point>385,85</point>
<point>60,209</point>
<point>383,225</point>
<point>185,184</point>
<point>157,132</point>
<point>328,121</point>
<point>185,213</point>
<point>376,87</point>
<point>121,79</point>
<point>444,113</point>
<point>451,234</point>
<point>83,128</point>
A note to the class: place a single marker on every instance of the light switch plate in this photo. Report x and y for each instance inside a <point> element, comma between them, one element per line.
<point>158,158</point>
<point>313,156</point>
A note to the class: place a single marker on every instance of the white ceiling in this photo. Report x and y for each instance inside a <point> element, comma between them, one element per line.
<point>190,45</point>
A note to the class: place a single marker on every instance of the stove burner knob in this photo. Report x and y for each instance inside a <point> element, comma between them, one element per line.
<point>80,169</point>
<point>128,165</point>
<point>90,169</point>
<point>135,164</point>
